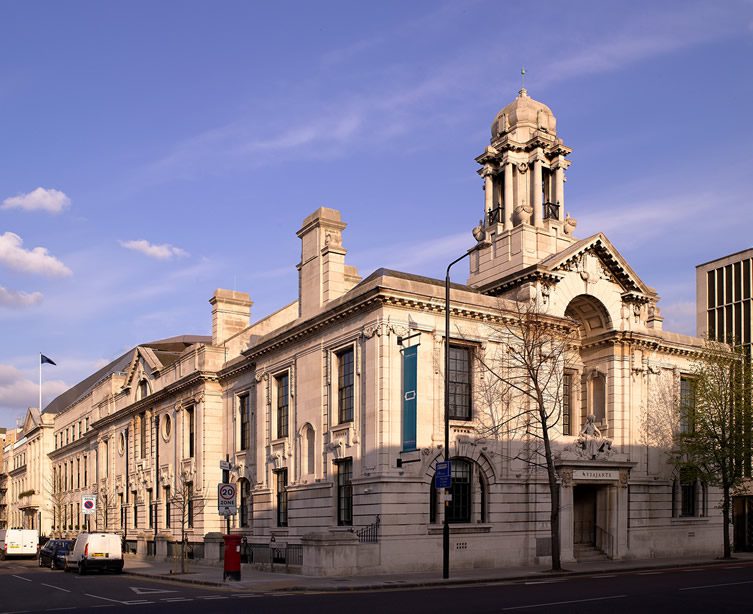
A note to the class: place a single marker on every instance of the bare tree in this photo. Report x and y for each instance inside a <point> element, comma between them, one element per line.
<point>104,504</point>
<point>57,497</point>
<point>521,392</point>
<point>716,424</point>
<point>187,507</point>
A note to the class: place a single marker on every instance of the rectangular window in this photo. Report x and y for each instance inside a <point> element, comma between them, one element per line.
<point>345,385</point>
<point>282,497</point>
<point>189,504</point>
<point>728,283</point>
<point>151,508</point>
<point>282,405</point>
<point>344,492</point>
<point>746,279</point>
<point>135,511</point>
<point>688,496</point>
<point>167,507</point>
<point>460,382</point>
<point>191,431</point>
<point>710,294</point>
<point>122,510</point>
<point>567,390</point>
<point>687,405</point>
<point>142,428</point>
<point>78,473</point>
<point>243,414</point>
<point>86,483</point>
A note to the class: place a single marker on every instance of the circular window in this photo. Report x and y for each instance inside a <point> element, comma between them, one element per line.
<point>167,427</point>
<point>121,444</point>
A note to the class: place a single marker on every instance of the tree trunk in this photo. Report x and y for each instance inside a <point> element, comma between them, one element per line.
<point>554,493</point>
<point>725,519</point>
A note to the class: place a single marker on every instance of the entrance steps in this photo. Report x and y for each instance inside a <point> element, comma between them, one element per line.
<point>587,552</point>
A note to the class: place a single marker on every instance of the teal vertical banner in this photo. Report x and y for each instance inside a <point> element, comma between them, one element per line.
<point>410,378</point>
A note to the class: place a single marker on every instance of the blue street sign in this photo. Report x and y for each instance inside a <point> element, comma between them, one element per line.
<point>443,475</point>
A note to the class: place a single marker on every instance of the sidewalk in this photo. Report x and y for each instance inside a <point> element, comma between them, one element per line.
<point>256,581</point>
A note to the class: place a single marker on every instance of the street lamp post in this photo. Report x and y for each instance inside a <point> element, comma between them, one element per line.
<point>481,241</point>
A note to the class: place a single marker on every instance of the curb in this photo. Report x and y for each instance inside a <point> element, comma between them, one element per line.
<point>392,585</point>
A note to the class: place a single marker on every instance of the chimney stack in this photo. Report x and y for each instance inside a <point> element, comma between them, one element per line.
<point>231,313</point>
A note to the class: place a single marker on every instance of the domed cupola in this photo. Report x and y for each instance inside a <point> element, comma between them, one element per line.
<point>523,169</point>
<point>522,117</point>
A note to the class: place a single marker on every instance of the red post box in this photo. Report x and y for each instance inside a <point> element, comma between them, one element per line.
<point>232,569</point>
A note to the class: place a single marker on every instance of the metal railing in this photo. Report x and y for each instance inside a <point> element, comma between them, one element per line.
<point>369,534</point>
<point>271,554</point>
<point>551,211</point>
<point>494,216</point>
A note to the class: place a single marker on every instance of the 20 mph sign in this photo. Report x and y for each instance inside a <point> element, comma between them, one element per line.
<point>226,500</point>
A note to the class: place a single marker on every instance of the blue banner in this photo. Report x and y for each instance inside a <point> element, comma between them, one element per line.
<point>410,378</point>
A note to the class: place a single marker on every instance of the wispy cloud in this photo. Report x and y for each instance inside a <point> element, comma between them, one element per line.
<point>16,299</point>
<point>163,251</point>
<point>37,261</point>
<point>18,391</point>
<point>41,199</point>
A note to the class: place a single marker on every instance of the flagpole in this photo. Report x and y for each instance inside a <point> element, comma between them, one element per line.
<point>40,382</point>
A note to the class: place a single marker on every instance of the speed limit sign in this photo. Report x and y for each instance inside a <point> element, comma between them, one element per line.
<point>226,499</point>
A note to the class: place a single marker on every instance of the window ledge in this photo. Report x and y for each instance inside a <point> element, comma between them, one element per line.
<point>460,528</point>
<point>690,520</point>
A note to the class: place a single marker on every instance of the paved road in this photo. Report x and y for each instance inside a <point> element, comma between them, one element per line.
<point>716,588</point>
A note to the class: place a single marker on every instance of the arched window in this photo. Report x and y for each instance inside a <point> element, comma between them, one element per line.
<point>468,494</point>
<point>310,450</point>
<point>143,389</point>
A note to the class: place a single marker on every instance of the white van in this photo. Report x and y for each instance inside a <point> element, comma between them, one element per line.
<point>18,542</point>
<point>96,551</point>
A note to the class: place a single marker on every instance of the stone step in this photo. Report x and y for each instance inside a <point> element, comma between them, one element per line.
<point>588,553</point>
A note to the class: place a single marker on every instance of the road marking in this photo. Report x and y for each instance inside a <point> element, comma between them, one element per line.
<point>695,588</point>
<point>543,605</point>
<point>58,609</point>
<point>25,580</point>
<point>56,587</point>
<point>607,575</point>
<point>102,605</point>
<point>105,598</point>
<point>544,581</point>
<point>733,567</point>
<point>149,591</point>
<point>246,596</point>
<point>175,599</point>
<point>649,573</point>
<point>691,570</point>
<point>214,597</point>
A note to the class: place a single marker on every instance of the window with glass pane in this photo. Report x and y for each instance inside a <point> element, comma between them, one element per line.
<point>567,387</point>
<point>345,385</point>
<point>189,504</point>
<point>191,432</point>
<point>459,508</point>
<point>167,507</point>
<point>142,428</point>
<point>282,497</point>
<point>687,405</point>
<point>243,410</point>
<point>460,382</point>
<point>688,495</point>
<point>245,490</point>
<point>282,405</point>
<point>344,492</point>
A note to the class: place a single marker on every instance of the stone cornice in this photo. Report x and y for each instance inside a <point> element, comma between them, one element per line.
<point>643,341</point>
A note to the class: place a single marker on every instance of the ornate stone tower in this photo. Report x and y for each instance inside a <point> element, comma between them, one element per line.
<point>524,192</point>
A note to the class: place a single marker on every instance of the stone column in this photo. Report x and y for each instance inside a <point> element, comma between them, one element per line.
<point>536,197</point>
<point>559,190</point>
<point>488,193</point>
<point>566,516</point>
<point>508,204</point>
<point>622,512</point>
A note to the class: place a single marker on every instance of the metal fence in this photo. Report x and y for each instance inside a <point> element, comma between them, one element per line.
<point>369,534</point>
<point>272,554</point>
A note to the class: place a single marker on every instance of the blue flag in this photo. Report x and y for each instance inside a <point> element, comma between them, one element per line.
<point>44,360</point>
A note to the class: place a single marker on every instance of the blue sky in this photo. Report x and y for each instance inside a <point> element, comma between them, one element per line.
<point>153,152</point>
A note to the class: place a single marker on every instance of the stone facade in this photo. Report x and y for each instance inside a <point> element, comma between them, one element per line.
<point>332,449</point>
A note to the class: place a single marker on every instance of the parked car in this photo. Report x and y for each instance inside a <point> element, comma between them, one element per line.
<point>53,553</point>
<point>96,551</point>
<point>18,542</point>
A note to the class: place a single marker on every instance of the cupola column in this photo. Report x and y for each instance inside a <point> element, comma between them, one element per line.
<point>508,196</point>
<point>536,197</point>
<point>559,191</point>
<point>488,191</point>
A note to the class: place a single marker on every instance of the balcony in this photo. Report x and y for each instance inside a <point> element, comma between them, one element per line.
<point>494,216</point>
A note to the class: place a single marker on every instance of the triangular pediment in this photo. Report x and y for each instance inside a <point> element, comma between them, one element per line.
<point>31,420</point>
<point>143,361</point>
<point>596,257</point>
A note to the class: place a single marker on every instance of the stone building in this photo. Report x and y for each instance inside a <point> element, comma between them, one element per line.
<point>7,439</point>
<point>26,463</point>
<point>331,410</point>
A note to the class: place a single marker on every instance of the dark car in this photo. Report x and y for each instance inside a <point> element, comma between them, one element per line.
<point>53,553</point>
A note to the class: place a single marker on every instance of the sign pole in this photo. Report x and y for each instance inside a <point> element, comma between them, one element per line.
<point>225,480</point>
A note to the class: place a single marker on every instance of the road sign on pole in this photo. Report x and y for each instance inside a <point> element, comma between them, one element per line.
<point>226,499</point>
<point>443,475</point>
<point>89,504</point>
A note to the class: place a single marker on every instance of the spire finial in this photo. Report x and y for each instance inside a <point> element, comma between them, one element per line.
<point>523,91</point>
